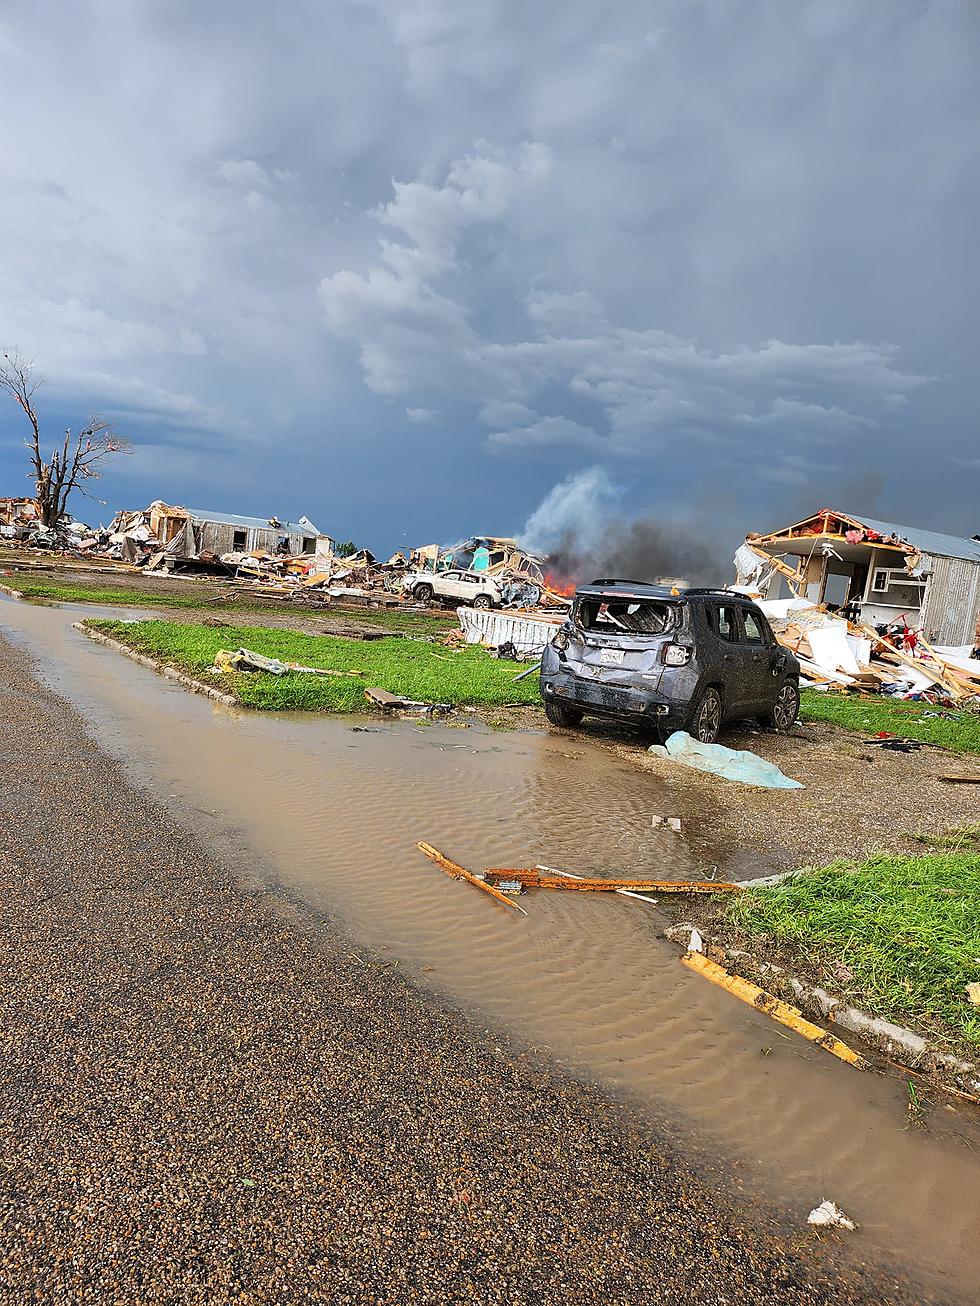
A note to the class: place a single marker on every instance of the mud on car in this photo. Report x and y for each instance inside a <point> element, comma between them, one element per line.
<point>670,659</point>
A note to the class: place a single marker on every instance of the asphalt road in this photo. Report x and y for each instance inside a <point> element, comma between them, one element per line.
<point>206,1097</point>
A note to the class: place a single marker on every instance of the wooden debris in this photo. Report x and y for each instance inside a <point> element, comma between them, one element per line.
<point>395,703</point>
<point>960,779</point>
<point>532,878</point>
<point>778,1010</point>
<point>461,873</point>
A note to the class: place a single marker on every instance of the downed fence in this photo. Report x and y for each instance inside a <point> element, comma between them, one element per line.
<point>527,634</point>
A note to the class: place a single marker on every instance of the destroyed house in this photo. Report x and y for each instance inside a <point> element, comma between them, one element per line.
<point>881,571</point>
<point>495,554</point>
<point>16,510</point>
<point>220,532</point>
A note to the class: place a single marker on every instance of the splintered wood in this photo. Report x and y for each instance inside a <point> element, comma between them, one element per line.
<point>774,1007</point>
<point>461,873</point>
<point>531,878</point>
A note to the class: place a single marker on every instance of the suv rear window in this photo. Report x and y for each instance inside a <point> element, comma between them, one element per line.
<point>637,616</point>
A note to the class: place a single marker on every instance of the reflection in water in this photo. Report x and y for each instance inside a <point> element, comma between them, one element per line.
<point>335,814</point>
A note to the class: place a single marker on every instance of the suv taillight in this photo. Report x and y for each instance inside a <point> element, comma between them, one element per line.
<point>676,655</point>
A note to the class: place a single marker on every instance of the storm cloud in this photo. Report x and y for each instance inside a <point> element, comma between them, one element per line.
<point>407,266</point>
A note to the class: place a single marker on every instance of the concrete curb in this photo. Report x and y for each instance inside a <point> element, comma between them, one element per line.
<point>894,1041</point>
<point>12,594</point>
<point>196,686</point>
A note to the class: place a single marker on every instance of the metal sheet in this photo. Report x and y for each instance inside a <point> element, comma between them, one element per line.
<point>949,612</point>
<point>483,626</point>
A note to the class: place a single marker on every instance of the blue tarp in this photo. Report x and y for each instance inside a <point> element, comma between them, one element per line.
<point>730,763</point>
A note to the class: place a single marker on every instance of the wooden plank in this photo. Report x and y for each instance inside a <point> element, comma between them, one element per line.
<point>936,671</point>
<point>458,872</point>
<point>383,699</point>
<point>532,878</point>
<point>774,1007</point>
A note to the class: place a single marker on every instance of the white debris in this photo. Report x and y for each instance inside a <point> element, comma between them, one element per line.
<point>672,822</point>
<point>696,943</point>
<point>828,1215</point>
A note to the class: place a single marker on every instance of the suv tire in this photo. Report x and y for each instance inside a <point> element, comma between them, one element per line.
<point>483,601</point>
<point>423,593</point>
<point>563,714</point>
<point>705,719</point>
<point>783,713</point>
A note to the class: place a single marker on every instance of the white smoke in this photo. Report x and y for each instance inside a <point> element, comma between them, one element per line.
<point>578,508</point>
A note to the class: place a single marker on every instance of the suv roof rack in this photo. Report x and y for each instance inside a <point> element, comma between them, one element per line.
<point>661,590</point>
<point>637,588</point>
<point>618,580</point>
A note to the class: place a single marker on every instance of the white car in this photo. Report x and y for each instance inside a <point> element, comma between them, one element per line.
<point>472,589</point>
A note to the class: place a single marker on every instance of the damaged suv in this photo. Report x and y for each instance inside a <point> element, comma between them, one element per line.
<point>671,659</point>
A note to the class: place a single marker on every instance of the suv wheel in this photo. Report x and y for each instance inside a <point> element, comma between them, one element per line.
<point>783,713</point>
<point>706,718</point>
<point>423,593</point>
<point>483,601</point>
<point>562,714</point>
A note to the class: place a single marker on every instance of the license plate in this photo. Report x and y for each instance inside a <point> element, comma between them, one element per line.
<point>611,657</point>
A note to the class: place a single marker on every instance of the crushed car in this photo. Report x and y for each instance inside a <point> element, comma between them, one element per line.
<point>473,589</point>
<point>669,659</point>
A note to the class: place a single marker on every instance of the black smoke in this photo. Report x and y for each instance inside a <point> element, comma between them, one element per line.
<point>640,550</point>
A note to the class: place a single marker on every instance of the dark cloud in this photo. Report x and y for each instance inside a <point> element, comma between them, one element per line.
<point>406,264</point>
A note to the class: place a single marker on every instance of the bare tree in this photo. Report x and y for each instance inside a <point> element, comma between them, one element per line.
<point>76,460</point>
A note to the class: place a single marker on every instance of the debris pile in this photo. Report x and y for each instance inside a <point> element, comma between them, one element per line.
<point>20,525</point>
<point>838,652</point>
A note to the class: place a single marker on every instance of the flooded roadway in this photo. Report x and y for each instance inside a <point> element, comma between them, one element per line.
<point>334,815</point>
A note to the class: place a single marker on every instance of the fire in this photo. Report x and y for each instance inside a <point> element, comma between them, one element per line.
<point>566,588</point>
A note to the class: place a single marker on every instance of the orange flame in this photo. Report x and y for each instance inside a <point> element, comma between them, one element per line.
<point>566,588</point>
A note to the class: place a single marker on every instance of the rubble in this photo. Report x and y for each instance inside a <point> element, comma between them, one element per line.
<point>829,1215</point>
<point>244,659</point>
<point>841,652</point>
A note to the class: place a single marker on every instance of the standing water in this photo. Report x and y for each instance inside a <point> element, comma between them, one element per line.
<point>333,813</point>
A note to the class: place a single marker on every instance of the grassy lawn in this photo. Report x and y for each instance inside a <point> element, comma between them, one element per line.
<point>869,714</point>
<point>403,666</point>
<point>906,929</point>
<point>409,621</point>
<point>40,589</point>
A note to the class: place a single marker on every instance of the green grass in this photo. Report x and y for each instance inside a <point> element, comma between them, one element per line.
<point>906,928</point>
<point>38,589</point>
<point>419,623</point>
<point>407,620</point>
<point>416,670</point>
<point>870,713</point>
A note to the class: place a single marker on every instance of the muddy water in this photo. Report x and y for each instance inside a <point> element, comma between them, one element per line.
<point>335,813</point>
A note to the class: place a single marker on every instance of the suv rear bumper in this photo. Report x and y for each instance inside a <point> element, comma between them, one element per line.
<point>622,703</point>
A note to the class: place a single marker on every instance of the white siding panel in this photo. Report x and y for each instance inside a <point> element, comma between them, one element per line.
<point>483,626</point>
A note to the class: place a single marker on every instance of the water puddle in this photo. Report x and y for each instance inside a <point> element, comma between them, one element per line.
<point>335,813</point>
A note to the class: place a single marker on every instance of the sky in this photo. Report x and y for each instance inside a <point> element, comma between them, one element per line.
<point>405,266</point>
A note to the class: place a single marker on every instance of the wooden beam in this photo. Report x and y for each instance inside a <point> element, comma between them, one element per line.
<point>778,1010</point>
<point>532,878</point>
<point>457,872</point>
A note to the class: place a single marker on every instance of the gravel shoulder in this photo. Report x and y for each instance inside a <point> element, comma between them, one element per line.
<point>207,1098</point>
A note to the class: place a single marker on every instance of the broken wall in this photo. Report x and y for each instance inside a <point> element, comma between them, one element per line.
<point>952,599</point>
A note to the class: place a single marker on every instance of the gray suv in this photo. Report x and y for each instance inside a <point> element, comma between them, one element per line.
<point>672,659</point>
